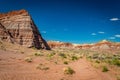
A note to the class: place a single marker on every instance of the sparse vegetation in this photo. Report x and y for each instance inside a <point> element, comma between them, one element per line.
<point>118,77</point>
<point>65,62</point>
<point>115,62</point>
<point>42,67</point>
<point>51,54</point>
<point>62,55</point>
<point>28,59</point>
<point>97,61</point>
<point>105,69</point>
<point>104,61</point>
<point>74,58</point>
<point>38,54</point>
<point>22,52</point>
<point>56,62</point>
<point>69,71</point>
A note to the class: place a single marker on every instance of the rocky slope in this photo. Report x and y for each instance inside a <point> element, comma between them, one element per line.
<point>18,27</point>
<point>102,45</point>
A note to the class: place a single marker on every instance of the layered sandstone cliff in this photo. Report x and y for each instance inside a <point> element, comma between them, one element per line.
<point>18,27</point>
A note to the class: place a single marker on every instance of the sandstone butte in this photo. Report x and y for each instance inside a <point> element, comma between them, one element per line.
<point>18,27</point>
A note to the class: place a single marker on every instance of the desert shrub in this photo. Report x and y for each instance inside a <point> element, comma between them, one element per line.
<point>34,48</point>
<point>51,54</point>
<point>56,62</point>
<point>22,52</point>
<point>45,68</point>
<point>97,61</point>
<point>102,57</point>
<point>118,77</point>
<point>105,69</point>
<point>116,62</point>
<point>69,71</point>
<point>28,59</point>
<point>42,67</point>
<point>89,57</point>
<point>74,58</point>
<point>65,62</point>
<point>95,56</point>
<point>38,54</point>
<point>62,55</point>
<point>62,79</point>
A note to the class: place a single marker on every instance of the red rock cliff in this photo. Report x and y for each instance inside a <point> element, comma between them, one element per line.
<point>18,27</point>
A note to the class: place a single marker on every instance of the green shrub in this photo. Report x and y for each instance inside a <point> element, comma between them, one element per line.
<point>45,68</point>
<point>116,62</point>
<point>42,67</point>
<point>105,69</point>
<point>97,61</point>
<point>69,71</point>
<point>62,55</point>
<point>28,59</point>
<point>51,54</point>
<point>74,58</point>
<point>65,62</point>
<point>38,54</point>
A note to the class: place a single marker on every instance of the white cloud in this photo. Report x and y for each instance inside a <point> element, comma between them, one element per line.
<point>93,34</point>
<point>101,32</point>
<point>43,32</point>
<point>111,37</point>
<point>118,35</point>
<point>114,19</point>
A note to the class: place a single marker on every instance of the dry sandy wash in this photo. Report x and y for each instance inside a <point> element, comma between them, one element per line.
<point>14,67</point>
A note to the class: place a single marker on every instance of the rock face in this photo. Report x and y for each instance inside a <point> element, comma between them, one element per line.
<point>18,27</point>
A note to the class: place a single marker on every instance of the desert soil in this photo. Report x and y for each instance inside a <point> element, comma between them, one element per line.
<point>14,67</point>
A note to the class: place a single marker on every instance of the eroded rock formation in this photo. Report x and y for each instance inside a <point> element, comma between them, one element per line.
<point>18,27</point>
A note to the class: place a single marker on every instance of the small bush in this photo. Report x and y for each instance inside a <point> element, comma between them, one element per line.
<point>45,68</point>
<point>118,77</point>
<point>51,54</point>
<point>105,69</point>
<point>97,61</point>
<point>65,62</point>
<point>38,54</point>
<point>28,59</point>
<point>69,71</point>
<point>74,58</point>
<point>62,55</point>
<point>22,52</point>
<point>56,62</point>
<point>62,79</point>
<point>42,67</point>
<point>95,56</point>
<point>116,62</point>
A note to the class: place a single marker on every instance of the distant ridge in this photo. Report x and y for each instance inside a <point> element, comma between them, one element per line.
<point>101,45</point>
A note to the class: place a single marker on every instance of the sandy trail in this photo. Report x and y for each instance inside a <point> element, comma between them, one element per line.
<point>13,67</point>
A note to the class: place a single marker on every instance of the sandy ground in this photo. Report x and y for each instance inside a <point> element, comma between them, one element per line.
<point>13,67</point>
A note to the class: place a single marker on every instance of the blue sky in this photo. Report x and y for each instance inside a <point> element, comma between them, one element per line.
<point>76,21</point>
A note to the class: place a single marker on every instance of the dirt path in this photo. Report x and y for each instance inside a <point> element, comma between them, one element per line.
<point>84,71</point>
<point>12,67</point>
